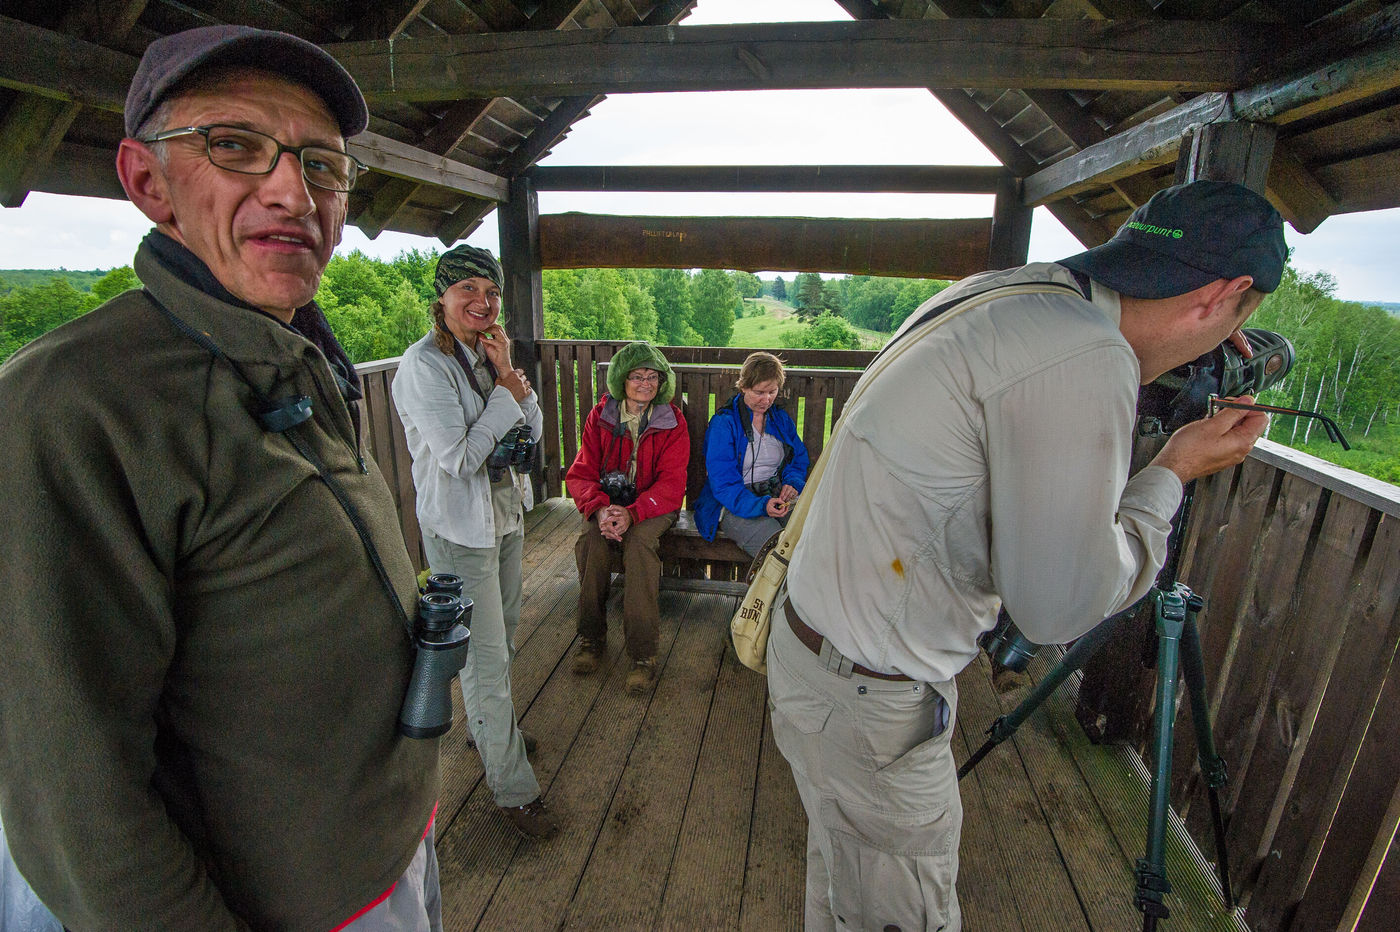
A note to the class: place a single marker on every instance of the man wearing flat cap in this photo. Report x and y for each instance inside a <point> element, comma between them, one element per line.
<point>986,465</point>
<point>202,575</point>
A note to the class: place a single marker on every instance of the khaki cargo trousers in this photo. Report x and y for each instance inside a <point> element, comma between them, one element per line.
<point>877,778</point>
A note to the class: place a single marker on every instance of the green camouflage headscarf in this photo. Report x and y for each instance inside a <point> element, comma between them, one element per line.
<point>465,261</point>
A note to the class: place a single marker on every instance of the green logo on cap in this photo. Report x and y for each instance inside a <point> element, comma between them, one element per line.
<point>1155,231</point>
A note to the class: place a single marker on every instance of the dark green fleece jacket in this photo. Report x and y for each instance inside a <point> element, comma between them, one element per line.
<point>201,673</point>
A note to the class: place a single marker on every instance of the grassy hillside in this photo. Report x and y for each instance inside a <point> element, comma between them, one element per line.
<point>766,330</point>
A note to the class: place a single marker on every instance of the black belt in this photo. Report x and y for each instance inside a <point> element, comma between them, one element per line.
<point>813,641</point>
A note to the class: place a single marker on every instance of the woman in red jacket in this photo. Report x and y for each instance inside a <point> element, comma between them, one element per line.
<point>627,481</point>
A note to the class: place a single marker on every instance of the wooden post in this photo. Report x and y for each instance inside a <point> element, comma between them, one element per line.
<point>519,224</point>
<point>1116,695</point>
<point>1235,151</point>
<point>1011,227</point>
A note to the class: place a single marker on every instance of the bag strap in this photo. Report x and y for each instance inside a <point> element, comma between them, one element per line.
<point>926,324</point>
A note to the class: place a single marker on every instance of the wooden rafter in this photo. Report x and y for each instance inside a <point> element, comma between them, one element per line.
<point>449,132</point>
<point>1161,56</point>
<point>33,128</point>
<point>1156,141</point>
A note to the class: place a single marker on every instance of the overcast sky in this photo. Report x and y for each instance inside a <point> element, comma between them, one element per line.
<point>866,127</point>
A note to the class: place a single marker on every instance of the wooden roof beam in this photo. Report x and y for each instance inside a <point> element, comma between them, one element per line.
<point>924,179</point>
<point>450,131</point>
<point>1161,56</point>
<point>34,127</point>
<point>911,248</point>
<point>1156,141</point>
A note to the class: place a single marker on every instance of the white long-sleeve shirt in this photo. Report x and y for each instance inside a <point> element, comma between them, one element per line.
<point>987,464</point>
<point>450,434</point>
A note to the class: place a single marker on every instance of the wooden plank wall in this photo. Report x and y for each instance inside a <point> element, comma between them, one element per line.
<point>385,439</point>
<point>1300,569</point>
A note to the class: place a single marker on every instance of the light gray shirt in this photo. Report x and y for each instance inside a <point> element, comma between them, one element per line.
<point>988,463</point>
<point>450,433</point>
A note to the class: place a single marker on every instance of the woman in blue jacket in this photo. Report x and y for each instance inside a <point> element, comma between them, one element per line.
<point>755,463</point>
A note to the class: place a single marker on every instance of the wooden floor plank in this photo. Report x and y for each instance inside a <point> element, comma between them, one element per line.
<point>775,871</point>
<point>704,886</point>
<point>625,881</point>
<point>985,889</point>
<point>679,812</point>
<point>1101,875</point>
<point>1028,851</point>
<point>542,878</point>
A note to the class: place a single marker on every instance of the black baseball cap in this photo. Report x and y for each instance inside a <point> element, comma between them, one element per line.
<point>1187,236</point>
<point>170,59</point>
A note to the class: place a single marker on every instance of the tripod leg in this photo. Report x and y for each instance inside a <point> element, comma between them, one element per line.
<point>1212,766</point>
<point>1152,884</point>
<point>1075,658</point>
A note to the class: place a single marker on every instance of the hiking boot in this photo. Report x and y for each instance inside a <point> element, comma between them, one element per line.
<point>642,676</point>
<point>588,656</point>
<point>532,819</point>
<point>530,742</point>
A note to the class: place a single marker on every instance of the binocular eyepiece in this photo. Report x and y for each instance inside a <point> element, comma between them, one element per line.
<point>441,635</point>
<point>1006,646</point>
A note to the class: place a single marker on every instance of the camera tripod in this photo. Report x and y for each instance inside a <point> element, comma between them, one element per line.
<point>1175,608</point>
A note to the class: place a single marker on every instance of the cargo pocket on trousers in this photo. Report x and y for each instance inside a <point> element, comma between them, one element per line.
<point>892,870</point>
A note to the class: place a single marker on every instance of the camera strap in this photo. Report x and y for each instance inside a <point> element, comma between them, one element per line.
<point>459,353</point>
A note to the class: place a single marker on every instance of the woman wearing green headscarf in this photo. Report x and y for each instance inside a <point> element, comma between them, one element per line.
<point>628,482</point>
<point>462,402</point>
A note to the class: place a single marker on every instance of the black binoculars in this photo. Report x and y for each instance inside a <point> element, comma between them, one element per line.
<point>441,635</point>
<point>514,449</point>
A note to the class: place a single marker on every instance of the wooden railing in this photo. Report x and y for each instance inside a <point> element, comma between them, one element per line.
<point>1299,563</point>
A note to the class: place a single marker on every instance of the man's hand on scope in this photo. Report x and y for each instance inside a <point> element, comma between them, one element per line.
<point>1213,443</point>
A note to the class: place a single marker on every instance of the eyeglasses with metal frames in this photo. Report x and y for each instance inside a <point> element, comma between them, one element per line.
<point>653,379</point>
<point>249,152</point>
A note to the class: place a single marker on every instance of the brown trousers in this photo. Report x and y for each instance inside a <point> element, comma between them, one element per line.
<point>641,565</point>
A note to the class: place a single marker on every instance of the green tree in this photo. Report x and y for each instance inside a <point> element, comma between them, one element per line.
<point>27,313</point>
<point>640,304</point>
<point>871,303</point>
<point>560,287</point>
<point>807,294</point>
<point>826,331</point>
<point>374,310</point>
<point>713,297</point>
<point>912,293</point>
<point>120,279</point>
<point>748,284</point>
<point>780,289</point>
<point>416,266</point>
<point>670,292</point>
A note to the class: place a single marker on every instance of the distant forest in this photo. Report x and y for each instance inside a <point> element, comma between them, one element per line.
<point>1348,354</point>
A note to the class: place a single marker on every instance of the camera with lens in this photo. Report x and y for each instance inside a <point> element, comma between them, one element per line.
<point>768,488</point>
<point>618,488</point>
<point>1006,645</point>
<point>440,636</point>
<point>1181,396</point>
<point>514,449</point>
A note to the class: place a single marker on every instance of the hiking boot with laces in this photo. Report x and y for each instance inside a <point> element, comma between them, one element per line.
<point>588,656</point>
<point>532,819</point>
<point>642,676</point>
